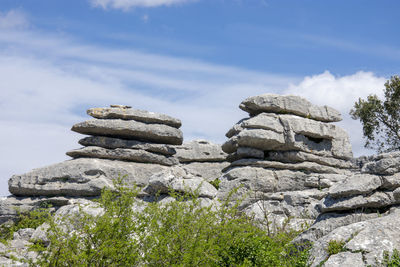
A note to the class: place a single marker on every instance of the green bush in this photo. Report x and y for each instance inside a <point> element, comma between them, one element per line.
<point>176,233</point>
<point>391,260</point>
<point>31,219</point>
<point>335,247</point>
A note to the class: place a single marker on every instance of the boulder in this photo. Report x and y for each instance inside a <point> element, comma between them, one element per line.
<point>124,129</point>
<point>122,154</point>
<point>128,113</point>
<point>384,164</point>
<point>289,104</point>
<point>112,143</point>
<point>358,184</point>
<point>178,180</point>
<point>80,177</point>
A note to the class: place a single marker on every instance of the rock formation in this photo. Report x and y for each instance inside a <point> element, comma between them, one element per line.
<point>288,163</point>
<point>285,156</point>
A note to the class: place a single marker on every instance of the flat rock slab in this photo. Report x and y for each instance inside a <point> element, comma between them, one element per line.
<point>122,154</point>
<point>200,151</point>
<point>358,184</point>
<point>375,200</point>
<point>82,177</point>
<point>302,166</point>
<point>300,156</point>
<point>289,104</point>
<point>112,143</point>
<point>127,113</point>
<point>157,133</point>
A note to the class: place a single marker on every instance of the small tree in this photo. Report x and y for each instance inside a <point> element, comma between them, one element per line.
<point>381,119</point>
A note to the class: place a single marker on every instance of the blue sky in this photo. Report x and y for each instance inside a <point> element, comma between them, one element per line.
<point>193,59</point>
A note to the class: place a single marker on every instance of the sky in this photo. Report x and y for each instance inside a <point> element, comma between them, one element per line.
<point>192,59</point>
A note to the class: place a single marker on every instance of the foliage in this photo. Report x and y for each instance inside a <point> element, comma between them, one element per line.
<point>32,219</point>
<point>381,119</point>
<point>335,247</point>
<point>391,260</point>
<point>216,183</point>
<point>174,233</point>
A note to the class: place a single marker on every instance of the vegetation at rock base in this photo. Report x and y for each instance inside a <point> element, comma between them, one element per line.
<point>164,233</point>
<point>32,219</point>
<point>381,118</point>
<point>392,260</point>
<point>335,247</point>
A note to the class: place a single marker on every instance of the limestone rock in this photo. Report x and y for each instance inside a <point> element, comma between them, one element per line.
<point>200,151</point>
<point>157,133</point>
<point>178,180</point>
<point>122,154</point>
<point>80,177</point>
<point>112,143</point>
<point>346,258</point>
<point>300,156</point>
<point>371,238</point>
<point>302,166</point>
<point>291,104</point>
<point>209,171</point>
<point>127,113</point>
<point>385,164</point>
<point>375,200</point>
<point>358,184</point>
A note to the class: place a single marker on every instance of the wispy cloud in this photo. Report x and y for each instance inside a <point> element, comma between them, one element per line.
<point>128,4</point>
<point>13,19</point>
<point>47,82</point>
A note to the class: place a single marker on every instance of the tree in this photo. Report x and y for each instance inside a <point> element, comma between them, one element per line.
<point>381,119</point>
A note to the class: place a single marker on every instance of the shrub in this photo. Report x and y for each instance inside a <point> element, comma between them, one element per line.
<point>391,260</point>
<point>176,233</point>
<point>335,247</point>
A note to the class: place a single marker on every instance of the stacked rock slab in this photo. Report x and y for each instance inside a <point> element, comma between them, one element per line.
<point>361,211</point>
<point>284,157</point>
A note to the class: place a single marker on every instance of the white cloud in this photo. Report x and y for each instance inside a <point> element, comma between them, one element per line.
<point>47,83</point>
<point>127,4</point>
<point>341,93</point>
<point>13,19</point>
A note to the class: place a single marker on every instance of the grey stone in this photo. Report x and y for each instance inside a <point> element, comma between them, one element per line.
<point>122,154</point>
<point>302,166</point>
<point>112,143</point>
<point>261,121</point>
<point>127,113</point>
<point>385,164</point>
<point>200,151</point>
<point>325,180</point>
<point>346,258</point>
<point>40,234</point>
<point>261,139</point>
<point>300,156</point>
<point>327,222</point>
<point>177,179</point>
<point>24,234</point>
<point>209,171</point>
<point>391,182</point>
<point>372,238</point>
<point>80,177</point>
<point>158,133</point>
<point>300,134</point>
<point>376,200</point>
<point>358,184</point>
<point>291,104</point>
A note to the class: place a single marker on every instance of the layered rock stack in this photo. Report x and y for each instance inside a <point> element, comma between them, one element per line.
<point>127,134</point>
<point>284,156</point>
<point>362,212</point>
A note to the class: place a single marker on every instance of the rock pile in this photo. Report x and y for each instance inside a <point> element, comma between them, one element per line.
<point>285,156</point>
<point>362,212</point>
